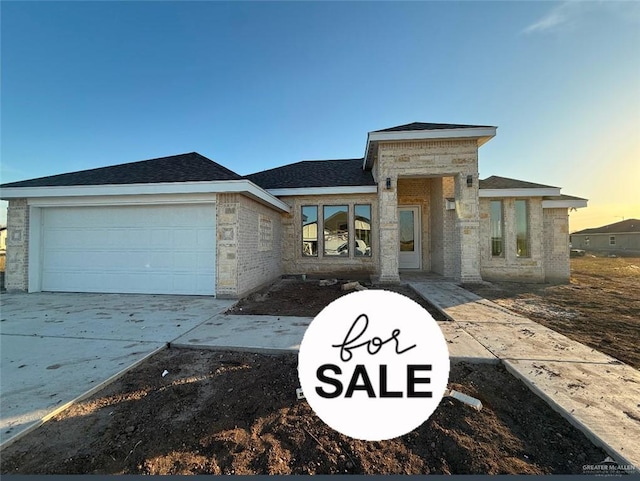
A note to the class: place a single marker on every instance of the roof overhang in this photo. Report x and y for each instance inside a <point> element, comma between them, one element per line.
<point>564,203</point>
<point>481,134</point>
<point>340,190</point>
<point>244,187</point>
<point>534,192</point>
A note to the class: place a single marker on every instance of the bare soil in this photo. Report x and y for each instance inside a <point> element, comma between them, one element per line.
<point>237,413</point>
<point>599,308</point>
<point>293,297</point>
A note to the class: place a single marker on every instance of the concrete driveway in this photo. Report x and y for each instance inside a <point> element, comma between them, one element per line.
<point>55,347</point>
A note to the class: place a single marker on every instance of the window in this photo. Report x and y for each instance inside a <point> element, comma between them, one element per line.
<point>522,229</point>
<point>336,230</point>
<point>587,241</point>
<point>309,230</point>
<point>497,242</point>
<point>612,240</point>
<point>362,230</point>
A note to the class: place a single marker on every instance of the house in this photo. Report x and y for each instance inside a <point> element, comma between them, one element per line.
<point>187,225</point>
<point>622,238</point>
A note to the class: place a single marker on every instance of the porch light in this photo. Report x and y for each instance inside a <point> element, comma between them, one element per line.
<point>388,183</point>
<point>469,180</point>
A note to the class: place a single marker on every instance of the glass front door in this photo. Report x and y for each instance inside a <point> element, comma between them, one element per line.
<point>409,237</point>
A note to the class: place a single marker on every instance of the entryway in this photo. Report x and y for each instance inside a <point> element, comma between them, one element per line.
<point>409,228</point>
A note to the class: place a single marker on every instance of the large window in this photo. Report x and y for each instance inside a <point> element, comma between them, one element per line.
<point>522,229</point>
<point>497,229</point>
<point>362,230</point>
<point>309,230</point>
<point>336,230</point>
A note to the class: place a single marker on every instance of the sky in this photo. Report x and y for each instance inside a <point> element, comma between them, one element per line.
<point>256,85</point>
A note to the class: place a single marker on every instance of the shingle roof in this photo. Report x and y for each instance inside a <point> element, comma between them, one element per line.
<point>629,225</point>
<point>495,182</point>
<point>314,173</point>
<point>430,126</point>
<point>191,167</point>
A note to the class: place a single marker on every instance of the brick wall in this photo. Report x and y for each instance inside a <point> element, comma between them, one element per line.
<point>556,245</point>
<point>249,237</point>
<point>17,260</point>
<point>294,263</point>
<point>453,159</point>
<point>509,266</point>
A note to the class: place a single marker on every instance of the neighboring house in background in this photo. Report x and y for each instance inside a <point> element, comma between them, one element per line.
<point>3,238</point>
<point>618,238</point>
<point>187,225</point>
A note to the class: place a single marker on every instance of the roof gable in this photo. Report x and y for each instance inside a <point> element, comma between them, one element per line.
<point>628,225</point>
<point>191,167</point>
<point>429,126</point>
<point>496,182</point>
<point>314,173</point>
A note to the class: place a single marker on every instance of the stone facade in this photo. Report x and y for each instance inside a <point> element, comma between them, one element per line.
<point>457,159</point>
<point>294,263</point>
<point>557,268</point>
<point>248,245</point>
<point>17,260</point>
<point>509,266</point>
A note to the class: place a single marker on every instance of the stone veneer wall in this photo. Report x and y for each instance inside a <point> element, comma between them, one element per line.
<point>557,266</point>
<point>431,158</point>
<point>294,263</point>
<point>249,237</point>
<point>509,267</point>
<point>17,257</point>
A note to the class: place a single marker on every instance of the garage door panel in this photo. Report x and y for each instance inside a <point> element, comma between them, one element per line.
<point>167,249</point>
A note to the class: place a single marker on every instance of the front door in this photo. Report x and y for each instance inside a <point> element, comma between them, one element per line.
<point>409,235</point>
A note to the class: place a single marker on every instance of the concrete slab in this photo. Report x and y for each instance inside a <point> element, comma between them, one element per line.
<point>463,347</point>
<point>56,346</point>
<point>531,341</point>
<point>250,333</point>
<point>601,401</point>
<point>130,317</point>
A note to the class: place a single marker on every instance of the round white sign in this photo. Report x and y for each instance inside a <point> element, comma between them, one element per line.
<point>373,365</point>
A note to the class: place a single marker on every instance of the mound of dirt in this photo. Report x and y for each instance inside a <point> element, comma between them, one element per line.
<point>237,413</point>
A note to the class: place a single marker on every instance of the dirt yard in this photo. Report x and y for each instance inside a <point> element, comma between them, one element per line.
<point>599,308</point>
<point>293,297</point>
<point>237,413</point>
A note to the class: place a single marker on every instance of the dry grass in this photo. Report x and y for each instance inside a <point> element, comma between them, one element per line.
<point>606,267</point>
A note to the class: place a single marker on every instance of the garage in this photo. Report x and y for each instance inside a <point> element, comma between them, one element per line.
<point>137,249</point>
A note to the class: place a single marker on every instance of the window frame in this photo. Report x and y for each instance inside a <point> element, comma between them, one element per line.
<point>493,239</point>
<point>612,240</point>
<point>348,232</point>
<point>527,238</point>
<point>302,225</point>
<point>353,224</point>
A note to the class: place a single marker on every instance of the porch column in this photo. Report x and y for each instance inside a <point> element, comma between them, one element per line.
<point>17,260</point>
<point>468,227</point>
<point>388,229</point>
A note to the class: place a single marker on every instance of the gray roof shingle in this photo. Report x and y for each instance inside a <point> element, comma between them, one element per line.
<point>314,173</point>
<point>191,167</point>
<point>430,126</point>
<point>495,182</point>
<point>628,225</point>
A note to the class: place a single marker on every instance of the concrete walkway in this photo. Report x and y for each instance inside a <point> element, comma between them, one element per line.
<point>595,392</point>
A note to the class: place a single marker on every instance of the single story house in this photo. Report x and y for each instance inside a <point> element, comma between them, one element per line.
<point>187,225</point>
<point>618,238</point>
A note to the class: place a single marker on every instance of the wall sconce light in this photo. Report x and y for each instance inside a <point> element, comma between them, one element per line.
<point>469,180</point>
<point>388,183</point>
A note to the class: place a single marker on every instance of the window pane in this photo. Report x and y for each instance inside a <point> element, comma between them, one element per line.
<point>522,229</point>
<point>407,234</point>
<point>336,230</point>
<point>496,228</point>
<point>309,230</point>
<point>362,230</point>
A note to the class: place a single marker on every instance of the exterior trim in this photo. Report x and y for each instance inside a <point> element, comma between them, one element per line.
<point>483,134</point>
<point>560,204</point>
<point>243,186</point>
<point>540,192</point>
<point>341,190</point>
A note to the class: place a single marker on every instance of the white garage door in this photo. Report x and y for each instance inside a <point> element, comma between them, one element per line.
<point>167,249</point>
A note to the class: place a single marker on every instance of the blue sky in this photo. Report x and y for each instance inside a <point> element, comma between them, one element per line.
<point>254,85</point>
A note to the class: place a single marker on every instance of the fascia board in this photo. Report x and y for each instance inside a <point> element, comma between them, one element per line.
<point>341,190</point>
<point>535,192</point>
